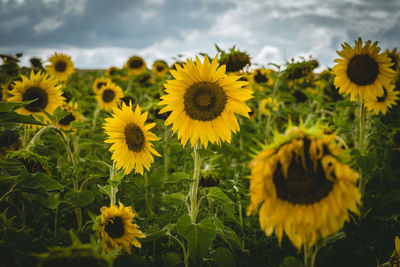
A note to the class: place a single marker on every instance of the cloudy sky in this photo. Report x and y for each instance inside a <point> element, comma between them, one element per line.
<point>102,33</point>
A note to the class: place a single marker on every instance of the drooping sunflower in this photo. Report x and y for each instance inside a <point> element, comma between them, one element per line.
<point>160,68</point>
<point>260,78</point>
<point>381,104</point>
<point>135,65</point>
<point>117,230</point>
<point>73,115</point>
<point>203,101</point>
<point>109,96</point>
<point>395,57</point>
<point>111,71</point>
<point>268,104</point>
<point>41,87</point>
<point>61,66</point>
<point>235,60</point>
<point>362,71</point>
<point>304,188</point>
<point>100,82</point>
<point>131,139</point>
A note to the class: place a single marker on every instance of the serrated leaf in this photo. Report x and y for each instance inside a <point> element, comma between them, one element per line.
<point>226,233</point>
<point>106,189</point>
<point>59,113</point>
<point>215,195</point>
<point>174,198</point>
<point>199,236</point>
<point>15,117</point>
<point>39,180</point>
<point>80,199</point>
<point>179,177</point>
<point>223,257</point>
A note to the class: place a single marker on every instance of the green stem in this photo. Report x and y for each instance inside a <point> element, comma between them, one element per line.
<point>361,143</point>
<point>185,254</point>
<point>95,116</point>
<point>36,137</point>
<point>306,255</point>
<point>194,185</point>
<point>114,187</point>
<point>8,192</point>
<point>166,153</point>
<point>148,200</point>
<point>240,218</point>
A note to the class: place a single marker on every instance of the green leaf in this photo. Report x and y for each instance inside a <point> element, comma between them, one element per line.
<point>223,257</point>
<point>15,117</point>
<point>80,199</point>
<point>199,236</point>
<point>106,189</point>
<point>171,259</point>
<point>227,234</point>
<point>10,106</point>
<point>59,113</point>
<point>52,201</point>
<point>391,197</point>
<point>39,180</point>
<point>291,262</point>
<point>79,124</point>
<point>154,232</point>
<point>215,195</point>
<point>179,177</point>
<point>174,198</point>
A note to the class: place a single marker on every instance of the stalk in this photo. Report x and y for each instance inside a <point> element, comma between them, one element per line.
<point>114,187</point>
<point>361,143</point>
<point>194,185</point>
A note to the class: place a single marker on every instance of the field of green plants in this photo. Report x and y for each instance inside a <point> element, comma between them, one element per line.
<point>210,161</point>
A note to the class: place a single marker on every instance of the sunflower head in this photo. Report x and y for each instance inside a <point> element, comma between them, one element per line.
<point>304,188</point>
<point>135,65</point>
<point>384,102</point>
<point>41,88</point>
<point>261,78</point>
<point>99,83</point>
<point>178,62</point>
<point>395,58</point>
<point>61,66</point>
<point>209,180</point>
<point>253,113</point>
<point>109,96</point>
<point>36,63</point>
<point>362,71</point>
<point>144,79</point>
<point>128,100</point>
<point>298,70</point>
<point>267,105</point>
<point>111,71</point>
<point>130,138</point>
<point>203,101</point>
<point>235,60</point>
<point>160,68</point>
<point>117,230</point>
<point>73,115</point>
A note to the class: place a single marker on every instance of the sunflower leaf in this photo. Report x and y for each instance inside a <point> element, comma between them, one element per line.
<point>179,177</point>
<point>223,257</point>
<point>215,195</point>
<point>80,199</point>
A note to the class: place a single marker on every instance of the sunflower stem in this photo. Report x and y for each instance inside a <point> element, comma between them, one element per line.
<point>185,254</point>
<point>166,152</point>
<point>95,116</point>
<point>194,185</point>
<point>148,200</point>
<point>37,136</point>
<point>361,143</point>
<point>114,187</point>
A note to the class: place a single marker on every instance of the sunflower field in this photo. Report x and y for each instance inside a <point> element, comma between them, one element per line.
<point>210,161</point>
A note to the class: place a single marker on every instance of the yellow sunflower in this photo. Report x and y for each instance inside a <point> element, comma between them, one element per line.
<point>144,79</point>
<point>61,66</point>
<point>41,87</point>
<point>203,101</point>
<point>135,65</point>
<point>395,57</point>
<point>160,68</point>
<point>72,109</point>
<point>304,188</point>
<point>382,103</point>
<point>3,94</point>
<point>362,71</point>
<point>111,71</point>
<point>131,139</point>
<point>7,89</point>
<point>117,230</point>
<point>109,96</point>
<point>268,104</point>
<point>100,82</point>
<point>260,78</point>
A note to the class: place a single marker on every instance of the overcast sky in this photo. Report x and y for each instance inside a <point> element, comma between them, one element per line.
<point>102,33</point>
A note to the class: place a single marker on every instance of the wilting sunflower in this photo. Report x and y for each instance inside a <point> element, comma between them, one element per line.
<point>268,104</point>
<point>235,60</point>
<point>135,65</point>
<point>109,96</point>
<point>38,86</point>
<point>117,229</point>
<point>261,77</point>
<point>362,71</point>
<point>111,71</point>
<point>304,188</point>
<point>73,115</point>
<point>382,103</point>
<point>203,101</point>
<point>131,139</point>
<point>61,66</point>
<point>160,68</point>
<point>99,83</point>
<point>395,57</point>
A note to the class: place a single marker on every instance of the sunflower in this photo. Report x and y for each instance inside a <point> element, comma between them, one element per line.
<point>61,66</point>
<point>135,65</point>
<point>99,83</point>
<point>261,77</point>
<point>268,104</point>
<point>362,71</point>
<point>144,79</point>
<point>235,60</point>
<point>131,139</point>
<point>253,113</point>
<point>109,96</point>
<point>38,86</point>
<point>111,71</point>
<point>117,230</point>
<point>160,68</point>
<point>382,103</point>
<point>203,101</point>
<point>73,115</point>
<point>395,58</point>
<point>304,188</point>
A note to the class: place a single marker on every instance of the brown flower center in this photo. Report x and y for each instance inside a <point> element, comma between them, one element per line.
<point>41,99</point>
<point>260,78</point>
<point>204,101</point>
<point>115,227</point>
<point>134,137</point>
<point>362,70</point>
<point>108,95</point>
<point>136,63</point>
<point>302,186</point>
<point>60,66</point>
<point>100,84</point>
<point>67,120</point>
